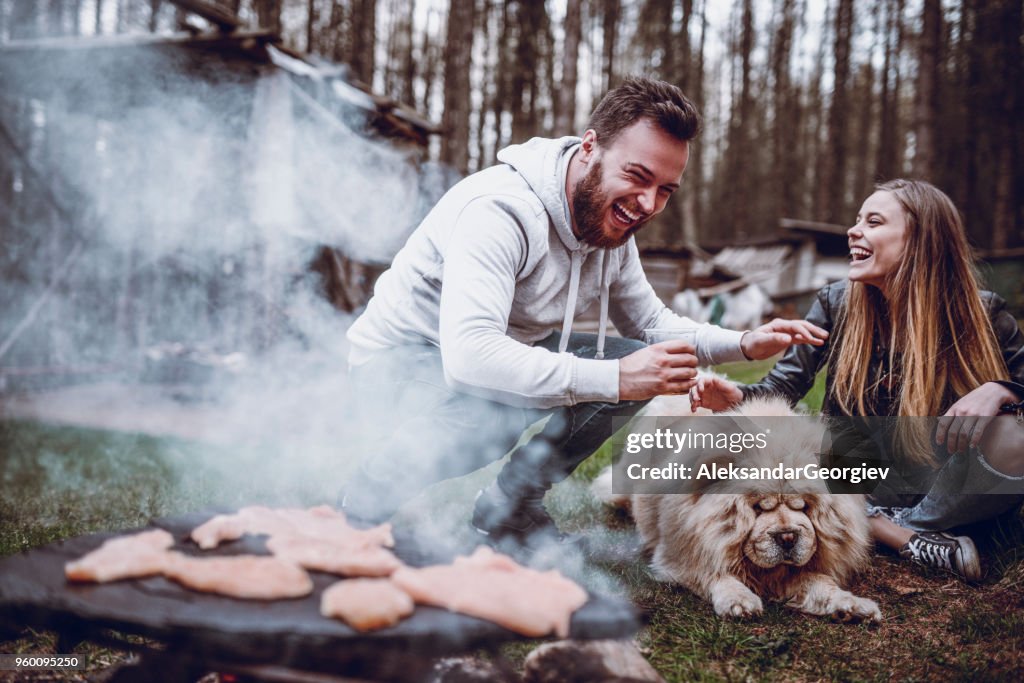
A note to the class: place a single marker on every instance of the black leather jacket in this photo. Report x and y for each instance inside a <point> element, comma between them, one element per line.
<point>793,376</point>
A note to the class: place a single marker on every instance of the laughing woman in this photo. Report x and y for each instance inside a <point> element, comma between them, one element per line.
<point>912,334</point>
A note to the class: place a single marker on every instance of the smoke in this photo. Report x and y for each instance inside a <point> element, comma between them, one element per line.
<point>193,189</point>
<point>164,206</point>
<point>196,190</point>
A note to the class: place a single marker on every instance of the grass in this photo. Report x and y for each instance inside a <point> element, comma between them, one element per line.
<point>60,482</point>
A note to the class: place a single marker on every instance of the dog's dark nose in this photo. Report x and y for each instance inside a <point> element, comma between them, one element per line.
<point>785,538</point>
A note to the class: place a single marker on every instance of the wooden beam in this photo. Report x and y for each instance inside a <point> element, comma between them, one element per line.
<point>143,40</point>
<point>1004,253</point>
<point>58,278</point>
<point>812,226</point>
<point>220,17</point>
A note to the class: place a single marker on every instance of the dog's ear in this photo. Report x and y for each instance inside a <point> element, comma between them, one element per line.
<point>842,533</point>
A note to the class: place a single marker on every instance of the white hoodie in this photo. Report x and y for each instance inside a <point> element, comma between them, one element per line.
<point>495,267</point>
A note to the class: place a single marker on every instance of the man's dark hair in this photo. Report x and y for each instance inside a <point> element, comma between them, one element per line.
<point>637,98</point>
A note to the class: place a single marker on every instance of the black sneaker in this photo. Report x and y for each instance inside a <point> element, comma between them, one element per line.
<point>499,516</point>
<point>956,554</point>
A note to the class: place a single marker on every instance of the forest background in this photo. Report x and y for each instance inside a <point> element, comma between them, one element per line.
<point>807,103</point>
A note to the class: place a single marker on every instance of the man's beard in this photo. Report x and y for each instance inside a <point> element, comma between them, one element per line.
<point>588,210</point>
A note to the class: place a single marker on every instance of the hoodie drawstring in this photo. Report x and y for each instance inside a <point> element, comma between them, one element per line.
<point>570,306</point>
<point>606,260</point>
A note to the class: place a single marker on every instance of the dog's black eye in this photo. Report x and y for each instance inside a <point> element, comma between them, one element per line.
<point>757,507</point>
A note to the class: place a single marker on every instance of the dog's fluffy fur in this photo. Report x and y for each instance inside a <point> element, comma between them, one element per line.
<point>733,543</point>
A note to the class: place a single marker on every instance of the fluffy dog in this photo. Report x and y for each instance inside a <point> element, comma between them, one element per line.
<point>736,542</point>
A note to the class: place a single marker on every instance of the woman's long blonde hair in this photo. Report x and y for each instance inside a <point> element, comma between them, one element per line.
<point>940,336</point>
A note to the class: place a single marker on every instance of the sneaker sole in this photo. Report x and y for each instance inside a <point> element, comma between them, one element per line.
<point>970,562</point>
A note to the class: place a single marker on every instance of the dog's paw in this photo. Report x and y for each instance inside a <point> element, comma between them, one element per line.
<point>736,600</point>
<point>849,608</point>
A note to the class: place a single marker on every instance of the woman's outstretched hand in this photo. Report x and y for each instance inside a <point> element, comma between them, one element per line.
<point>964,423</point>
<point>778,335</point>
<point>714,393</point>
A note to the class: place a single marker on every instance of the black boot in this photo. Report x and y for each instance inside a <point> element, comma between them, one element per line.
<point>520,519</point>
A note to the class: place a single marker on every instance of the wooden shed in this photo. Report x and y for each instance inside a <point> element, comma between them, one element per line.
<point>189,190</point>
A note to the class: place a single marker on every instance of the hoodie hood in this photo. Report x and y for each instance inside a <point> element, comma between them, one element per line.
<point>542,163</point>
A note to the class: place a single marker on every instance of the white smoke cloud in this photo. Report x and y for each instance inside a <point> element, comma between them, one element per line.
<point>198,203</point>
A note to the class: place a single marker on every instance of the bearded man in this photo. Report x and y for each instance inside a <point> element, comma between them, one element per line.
<point>468,338</point>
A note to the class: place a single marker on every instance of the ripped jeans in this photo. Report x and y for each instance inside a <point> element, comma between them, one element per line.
<point>419,431</point>
<point>965,490</point>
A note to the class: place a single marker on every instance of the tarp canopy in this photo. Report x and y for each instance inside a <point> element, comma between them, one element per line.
<point>193,179</point>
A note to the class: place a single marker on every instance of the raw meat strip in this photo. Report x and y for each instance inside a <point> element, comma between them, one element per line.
<point>320,522</point>
<point>366,604</point>
<point>334,557</point>
<point>124,557</point>
<point>240,576</point>
<point>496,588</point>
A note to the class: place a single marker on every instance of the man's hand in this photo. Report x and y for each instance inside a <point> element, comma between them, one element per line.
<point>779,335</point>
<point>664,368</point>
<point>714,393</point>
<point>964,423</point>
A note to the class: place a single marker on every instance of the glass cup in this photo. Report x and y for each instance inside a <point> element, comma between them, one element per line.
<point>653,335</point>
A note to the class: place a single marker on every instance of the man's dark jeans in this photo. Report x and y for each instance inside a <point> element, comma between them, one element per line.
<point>418,431</point>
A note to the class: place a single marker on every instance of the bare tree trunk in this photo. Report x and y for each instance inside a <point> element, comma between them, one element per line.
<point>501,88</point>
<point>76,18</point>
<point>683,59</point>
<point>55,18</point>
<point>1003,209</point>
<point>835,179</point>
<point>400,71</point>
<point>408,62</point>
<point>483,159</point>
<point>693,226</point>
<point>154,14</point>
<point>524,72</point>
<point>1004,28</point>
<point>336,32</point>
<point>565,105</point>
<point>864,87</point>
<point>545,98</point>
<point>311,20</point>
<point>1014,113</point>
<point>654,40</point>
<point>679,224</point>
<point>610,23</point>
<point>24,19</point>
<point>391,47</point>
<point>926,101</point>
<point>268,14</point>
<point>886,165</point>
<point>815,130</point>
<point>429,55</point>
<point>362,39</point>
<point>740,163</point>
<point>98,18</point>
<point>785,125</point>
<point>458,52</point>
<point>654,48</point>
<point>525,82</point>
